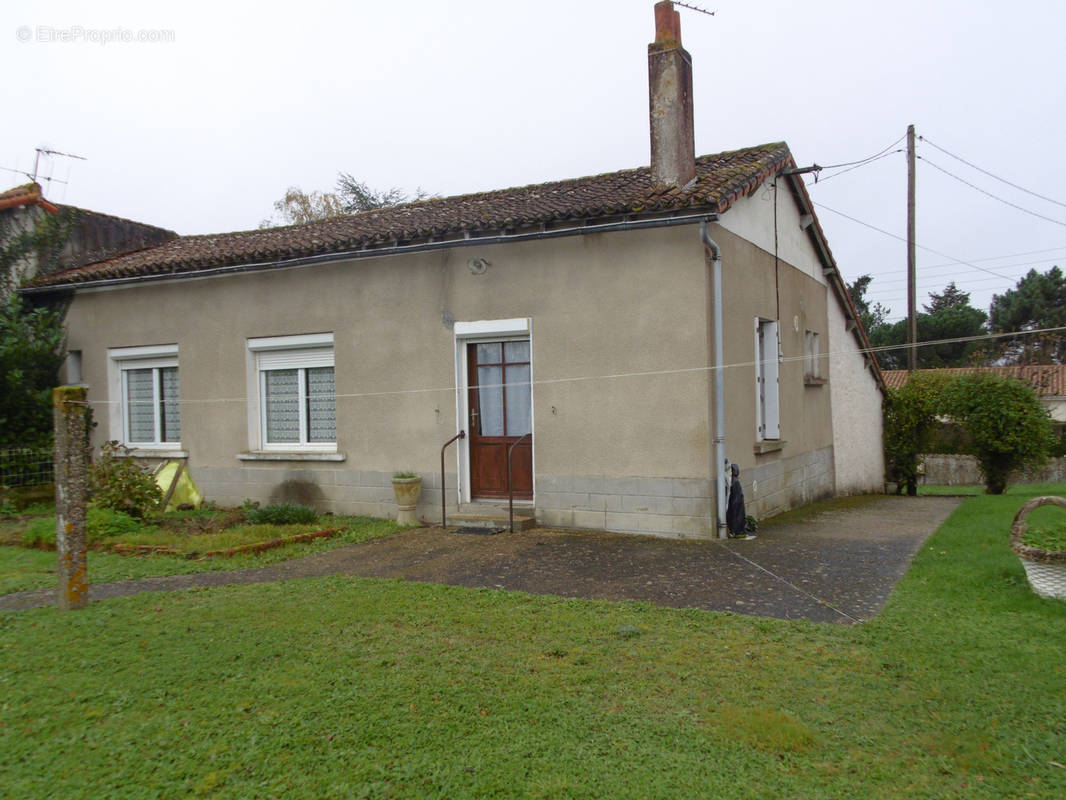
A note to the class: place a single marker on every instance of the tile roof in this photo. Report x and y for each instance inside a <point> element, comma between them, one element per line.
<point>1047,380</point>
<point>721,179</point>
<point>25,195</point>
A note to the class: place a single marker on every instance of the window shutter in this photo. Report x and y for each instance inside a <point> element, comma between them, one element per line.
<point>771,371</point>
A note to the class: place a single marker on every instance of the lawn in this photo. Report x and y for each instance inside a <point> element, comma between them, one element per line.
<point>22,568</point>
<point>339,687</point>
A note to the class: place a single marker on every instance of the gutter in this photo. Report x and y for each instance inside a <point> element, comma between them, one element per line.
<point>610,227</point>
<point>714,254</point>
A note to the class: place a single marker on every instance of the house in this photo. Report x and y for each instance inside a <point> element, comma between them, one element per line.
<point>80,236</point>
<point>1047,380</point>
<point>569,325</point>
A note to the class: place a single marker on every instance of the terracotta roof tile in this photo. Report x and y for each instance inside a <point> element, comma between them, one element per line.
<point>1047,380</point>
<point>721,180</point>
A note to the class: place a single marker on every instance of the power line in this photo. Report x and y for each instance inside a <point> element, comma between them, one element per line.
<point>865,163</point>
<point>640,373</point>
<point>993,196</point>
<point>920,247</point>
<point>989,174</point>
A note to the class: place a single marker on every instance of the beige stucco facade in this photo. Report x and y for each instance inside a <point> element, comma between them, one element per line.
<point>620,327</point>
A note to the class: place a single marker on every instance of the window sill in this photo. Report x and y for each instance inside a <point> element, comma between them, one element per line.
<point>289,455</point>
<point>149,452</point>
<point>769,446</point>
<point>811,380</point>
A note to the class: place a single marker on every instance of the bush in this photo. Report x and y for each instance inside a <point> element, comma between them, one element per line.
<point>284,514</point>
<point>120,484</point>
<point>1007,426</point>
<point>910,416</point>
<point>100,523</point>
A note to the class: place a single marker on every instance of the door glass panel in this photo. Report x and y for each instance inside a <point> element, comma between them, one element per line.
<point>516,351</point>
<point>490,399</point>
<point>171,413</point>
<point>282,400</point>
<point>140,405</point>
<point>518,401</point>
<point>488,353</point>
<point>321,405</point>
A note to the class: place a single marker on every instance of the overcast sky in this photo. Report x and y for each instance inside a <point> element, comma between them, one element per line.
<point>202,127</point>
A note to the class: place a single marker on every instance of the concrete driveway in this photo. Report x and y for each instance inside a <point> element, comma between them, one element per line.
<point>837,564</point>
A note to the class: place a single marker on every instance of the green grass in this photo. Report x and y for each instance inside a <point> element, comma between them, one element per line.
<point>22,569</point>
<point>338,687</point>
<point>1014,490</point>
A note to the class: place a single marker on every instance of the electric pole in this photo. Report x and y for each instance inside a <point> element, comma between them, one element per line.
<point>912,312</point>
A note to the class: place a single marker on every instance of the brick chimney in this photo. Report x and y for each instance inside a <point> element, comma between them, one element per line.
<point>673,154</point>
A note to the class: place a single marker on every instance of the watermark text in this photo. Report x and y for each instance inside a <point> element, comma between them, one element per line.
<point>79,34</point>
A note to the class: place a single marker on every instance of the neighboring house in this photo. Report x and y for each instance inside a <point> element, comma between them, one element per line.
<point>89,236</point>
<point>571,320</point>
<point>1047,380</point>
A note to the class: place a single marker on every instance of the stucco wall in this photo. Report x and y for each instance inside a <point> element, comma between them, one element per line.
<point>621,349</point>
<point>857,423</point>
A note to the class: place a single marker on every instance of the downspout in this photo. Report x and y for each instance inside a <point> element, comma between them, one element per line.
<point>714,253</point>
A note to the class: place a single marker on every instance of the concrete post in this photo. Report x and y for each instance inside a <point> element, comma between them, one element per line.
<point>71,476</point>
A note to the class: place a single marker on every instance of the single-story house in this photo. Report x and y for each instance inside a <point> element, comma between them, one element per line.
<point>570,322</point>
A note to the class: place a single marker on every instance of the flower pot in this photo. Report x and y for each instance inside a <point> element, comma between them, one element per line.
<point>407,491</point>
<point>1045,569</point>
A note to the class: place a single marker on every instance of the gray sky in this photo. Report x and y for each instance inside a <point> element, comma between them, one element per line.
<point>204,132</point>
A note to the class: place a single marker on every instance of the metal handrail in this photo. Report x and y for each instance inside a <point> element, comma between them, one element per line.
<point>510,483</point>
<point>443,496</point>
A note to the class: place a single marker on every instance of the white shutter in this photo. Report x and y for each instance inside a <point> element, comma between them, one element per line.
<point>771,370</point>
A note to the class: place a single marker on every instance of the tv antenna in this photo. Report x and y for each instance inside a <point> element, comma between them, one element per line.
<point>694,8</point>
<point>45,151</point>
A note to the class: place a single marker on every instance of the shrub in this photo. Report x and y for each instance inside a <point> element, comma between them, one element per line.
<point>1008,428</point>
<point>120,484</point>
<point>41,532</point>
<point>100,523</point>
<point>283,514</point>
<point>910,416</point>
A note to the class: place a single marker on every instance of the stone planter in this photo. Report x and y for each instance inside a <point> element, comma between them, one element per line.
<point>1046,569</point>
<point>407,491</point>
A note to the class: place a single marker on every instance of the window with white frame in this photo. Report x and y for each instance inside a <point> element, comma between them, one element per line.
<point>767,363</point>
<point>145,381</point>
<point>294,390</point>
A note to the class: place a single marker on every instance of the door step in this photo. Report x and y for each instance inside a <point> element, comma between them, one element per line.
<point>488,520</point>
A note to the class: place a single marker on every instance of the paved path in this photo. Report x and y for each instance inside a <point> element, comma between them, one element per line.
<point>837,565</point>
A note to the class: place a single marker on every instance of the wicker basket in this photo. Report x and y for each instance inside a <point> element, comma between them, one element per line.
<point>1046,569</point>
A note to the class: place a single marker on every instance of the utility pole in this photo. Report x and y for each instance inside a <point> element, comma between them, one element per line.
<point>912,311</point>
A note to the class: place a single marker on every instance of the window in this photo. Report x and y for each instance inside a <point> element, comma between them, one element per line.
<point>145,379</point>
<point>767,357</point>
<point>812,361</point>
<point>295,392</point>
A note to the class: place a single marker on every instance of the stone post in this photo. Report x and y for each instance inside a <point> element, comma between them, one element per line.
<point>71,476</point>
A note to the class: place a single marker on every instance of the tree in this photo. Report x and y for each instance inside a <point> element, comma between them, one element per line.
<point>32,340</point>
<point>870,317</point>
<point>948,315</point>
<point>351,197</point>
<point>1038,301</point>
<point>910,418</point>
<point>32,345</point>
<point>356,196</point>
<point>1007,426</point>
<point>298,207</point>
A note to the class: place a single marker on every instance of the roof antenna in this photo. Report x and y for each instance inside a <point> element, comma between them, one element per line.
<point>49,152</point>
<point>694,8</point>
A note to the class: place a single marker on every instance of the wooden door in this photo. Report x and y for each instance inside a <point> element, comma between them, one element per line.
<point>501,413</point>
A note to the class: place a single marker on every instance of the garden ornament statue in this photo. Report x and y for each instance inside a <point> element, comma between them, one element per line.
<point>736,516</point>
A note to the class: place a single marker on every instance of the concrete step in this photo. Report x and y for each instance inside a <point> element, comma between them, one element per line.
<point>491,518</point>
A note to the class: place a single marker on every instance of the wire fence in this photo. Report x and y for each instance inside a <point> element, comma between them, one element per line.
<point>26,466</point>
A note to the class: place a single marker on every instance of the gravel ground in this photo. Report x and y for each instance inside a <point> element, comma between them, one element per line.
<point>837,564</point>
